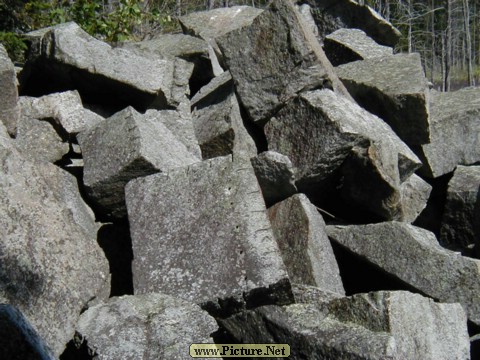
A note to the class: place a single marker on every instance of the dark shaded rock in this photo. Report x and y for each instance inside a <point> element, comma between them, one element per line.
<point>201,233</point>
<point>331,15</point>
<point>18,339</point>
<point>306,251</point>
<point>123,147</point>
<point>414,197</point>
<point>275,175</point>
<point>274,59</point>
<point>218,122</point>
<point>51,264</point>
<point>460,229</point>
<point>65,57</point>
<point>382,325</point>
<point>323,133</point>
<point>348,45</point>
<point>9,110</point>
<point>152,326</point>
<point>414,256</point>
<point>454,128</point>
<point>395,89</point>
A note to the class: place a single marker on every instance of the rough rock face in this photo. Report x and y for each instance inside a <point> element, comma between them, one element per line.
<point>275,175</point>
<point>414,194</point>
<point>414,256</point>
<point>331,15</point>
<point>9,111</point>
<point>333,130</point>
<point>217,121</point>
<point>306,251</point>
<point>18,339</point>
<point>455,124</point>
<point>67,57</point>
<point>395,89</point>
<point>47,253</point>
<point>381,325</point>
<point>146,147</point>
<point>153,326</point>
<point>348,45</point>
<point>274,59</point>
<point>461,217</point>
<point>217,244</point>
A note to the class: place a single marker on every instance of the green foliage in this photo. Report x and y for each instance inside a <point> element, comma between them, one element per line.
<point>14,44</point>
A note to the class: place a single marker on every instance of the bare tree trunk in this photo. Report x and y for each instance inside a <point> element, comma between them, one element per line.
<point>448,46</point>
<point>410,25</point>
<point>468,42</point>
<point>433,49</point>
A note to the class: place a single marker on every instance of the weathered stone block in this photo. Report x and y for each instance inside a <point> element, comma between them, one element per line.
<point>414,194</point>
<point>9,110</point>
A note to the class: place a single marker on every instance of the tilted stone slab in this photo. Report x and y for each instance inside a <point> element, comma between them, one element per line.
<point>201,233</point>
<point>152,326</point>
<point>348,45</point>
<point>274,59</point>
<point>455,125</point>
<point>65,56</point>
<point>331,15</point>
<point>414,196</point>
<point>380,325</point>
<point>9,110</point>
<point>414,256</point>
<point>460,229</point>
<point>275,175</point>
<point>395,89</point>
<point>51,264</point>
<point>123,147</point>
<point>218,122</point>
<point>306,251</point>
<point>65,109</point>
<point>320,130</point>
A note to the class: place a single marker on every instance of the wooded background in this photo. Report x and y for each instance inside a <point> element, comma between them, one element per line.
<point>445,32</point>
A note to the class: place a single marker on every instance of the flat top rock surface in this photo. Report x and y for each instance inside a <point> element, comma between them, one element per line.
<point>360,43</point>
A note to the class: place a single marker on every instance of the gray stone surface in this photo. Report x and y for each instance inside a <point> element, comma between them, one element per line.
<point>414,256</point>
<point>414,194</point>
<point>381,325</point>
<point>306,251</point>
<point>307,294</point>
<point>274,59</point>
<point>148,327</point>
<point>125,146</point>
<point>460,229</point>
<point>275,175</point>
<point>454,129</point>
<point>218,122</point>
<point>64,108</point>
<point>9,110</point>
<point>52,265</point>
<point>66,56</point>
<point>306,11</point>
<point>395,89</point>
<point>18,339</point>
<point>40,140</point>
<point>348,45</point>
<point>331,15</point>
<point>201,233</point>
<point>320,130</point>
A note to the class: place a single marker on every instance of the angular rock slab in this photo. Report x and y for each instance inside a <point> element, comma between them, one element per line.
<point>51,264</point>
<point>381,325</point>
<point>348,45</point>
<point>18,339</point>
<point>331,15</point>
<point>306,250</point>
<point>64,57</point>
<point>273,59</point>
<point>218,122</point>
<point>201,233</point>
<point>454,129</point>
<point>275,175</point>
<point>320,130</point>
<point>152,326</point>
<point>460,229</point>
<point>9,110</point>
<point>414,193</point>
<point>414,256</point>
<point>395,89</point>
<point>125,146</point>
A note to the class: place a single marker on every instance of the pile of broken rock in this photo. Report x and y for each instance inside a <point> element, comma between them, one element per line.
<point>231,185</point>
